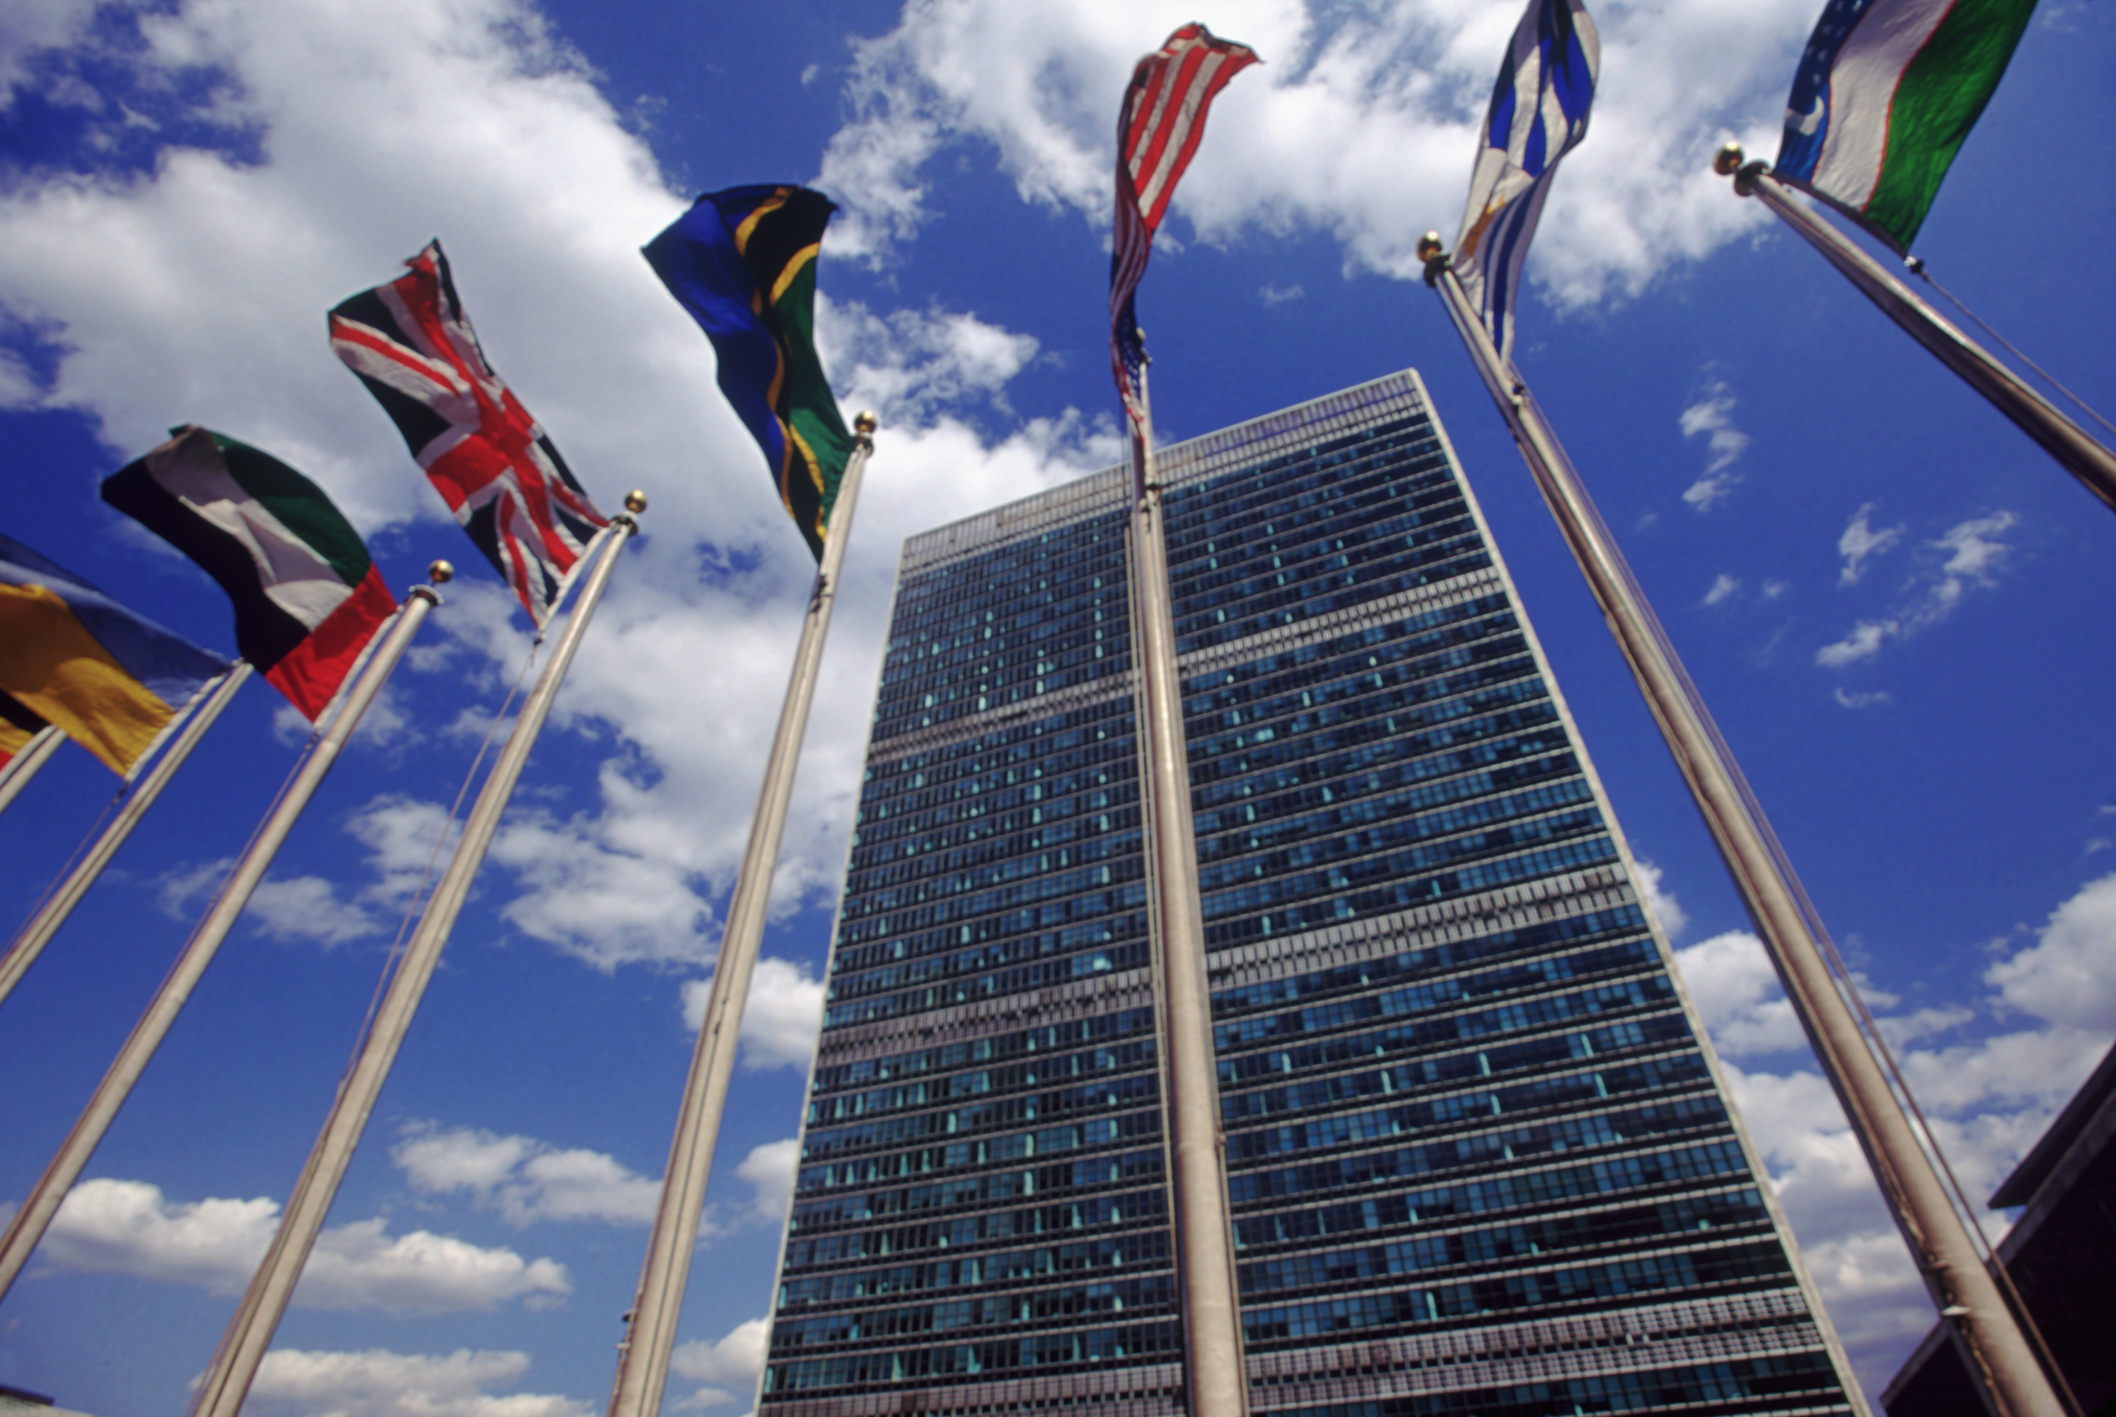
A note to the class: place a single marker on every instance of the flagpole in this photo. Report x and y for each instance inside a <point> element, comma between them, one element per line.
<point>242,1347</point>
<point>42,1203</point>
<point>650,1327</point>
<point>2079,453</point>
<point>23,765</point>
<point>37,934</point>
<point>1215,1375</point>
<point>1996,1351</point>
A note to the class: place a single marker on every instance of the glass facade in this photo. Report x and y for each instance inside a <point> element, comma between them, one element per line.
<point>1479,1160</point>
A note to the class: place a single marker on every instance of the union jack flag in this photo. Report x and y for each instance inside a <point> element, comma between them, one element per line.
<point>413,347</point>
<point>1157,131</point>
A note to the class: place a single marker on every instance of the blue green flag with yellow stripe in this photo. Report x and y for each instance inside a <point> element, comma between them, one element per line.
<point>743,263</point>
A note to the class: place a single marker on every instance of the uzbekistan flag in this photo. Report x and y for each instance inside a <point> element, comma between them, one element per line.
<point>1158,129</point>
<point>1885,94</point>
<point>1538,114</point>
<point>307,597</point>
<point>111,680</point>
<point>412,345</point>
<point>743,263</point>
<point>17,726</point>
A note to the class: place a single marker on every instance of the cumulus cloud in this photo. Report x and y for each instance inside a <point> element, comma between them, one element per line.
<point>769,1169</point>
<point>728,1368</point>
<point>1713,416</point>
<point>290,163</point>
<point>1723,588</point>
<point>309,908</point>
<point>1661,901</point>
<point>1990,1078</point>
<point>1968,557</point>
<point>780,1020</point>
<point>1361,124</point>
<point>129,1227</point>
<point>379,1383</point>
<point>525,1180</point>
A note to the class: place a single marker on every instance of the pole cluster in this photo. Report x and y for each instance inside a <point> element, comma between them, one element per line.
<point>1999,1355</point>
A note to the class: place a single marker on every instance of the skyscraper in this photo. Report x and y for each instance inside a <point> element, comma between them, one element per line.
<point>1480,1160</point>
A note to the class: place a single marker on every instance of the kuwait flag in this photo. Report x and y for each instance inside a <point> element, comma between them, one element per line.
<point>307,596</point>
<point>1885,94</point>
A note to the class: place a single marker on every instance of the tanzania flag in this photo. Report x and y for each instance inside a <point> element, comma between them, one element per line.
<point>1538,114</point>
<point>110,679</point>
<point>17,726</point>
<point>412,345</point>
<point>307,596</point>
<point>743,262</point>
<point>1883,98</point>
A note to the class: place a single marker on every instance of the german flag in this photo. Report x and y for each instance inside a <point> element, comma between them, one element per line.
<point>743,263</point>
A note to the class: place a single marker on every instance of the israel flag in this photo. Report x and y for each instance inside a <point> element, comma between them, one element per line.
<point>1538,114</point>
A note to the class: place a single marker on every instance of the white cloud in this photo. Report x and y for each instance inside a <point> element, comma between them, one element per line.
<point>379,1383</point>
<point>1279,295</point>
<point>1361,123</point>
<point>1859,701</point>
<point>1974,556</point>
<point>308,908</point>
<point>1988,1093</point>
<point>769,1169</point>
<point>1860,542</point>
<point>780,1019</point>
<point>1661,901</point>
<point>1713,415</point>
<point>728,1368</point>
<point>525,1180</point>
<point>1723,588</point>
<point>128,1227</point>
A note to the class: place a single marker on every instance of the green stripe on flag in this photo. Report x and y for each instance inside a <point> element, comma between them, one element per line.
<point>811,409</point>
<point>294,500</point>
<point>1938,100</point>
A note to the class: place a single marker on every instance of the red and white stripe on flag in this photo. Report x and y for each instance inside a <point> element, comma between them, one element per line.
<point>1157,131</point>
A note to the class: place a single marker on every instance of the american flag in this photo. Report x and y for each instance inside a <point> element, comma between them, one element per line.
<point>1157,130</point>
<point>1538,114</point>
<point>411,344</point>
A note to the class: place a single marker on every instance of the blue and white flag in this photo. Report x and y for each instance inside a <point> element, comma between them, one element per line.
<point>1538,114</point>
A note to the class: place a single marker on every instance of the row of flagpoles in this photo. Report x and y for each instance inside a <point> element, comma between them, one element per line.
<point>742,262</point>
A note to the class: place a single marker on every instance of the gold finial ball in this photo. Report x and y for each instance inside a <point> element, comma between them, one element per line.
<point>440,573</point>
<point>1728,160</point>
<point>864,423</point>
<point>635,501</point>
<point>1430,245</point>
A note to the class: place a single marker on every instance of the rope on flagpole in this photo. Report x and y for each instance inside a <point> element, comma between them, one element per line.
<point>1917,268</point>
<point>414,903</point>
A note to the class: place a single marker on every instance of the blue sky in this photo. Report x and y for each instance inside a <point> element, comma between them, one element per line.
<point>1894,603</point>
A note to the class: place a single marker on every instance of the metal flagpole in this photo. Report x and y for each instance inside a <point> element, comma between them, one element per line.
<point>650,1327</point>
<point>37,934</point>
<point>30,1222</point>
<point>242,1347</point>
<point>2082,456</point>
<point>1215,1377</point>
<point>1969,1301</point>
<point>23,765</point>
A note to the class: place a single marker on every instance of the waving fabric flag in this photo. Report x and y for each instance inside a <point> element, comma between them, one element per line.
<point>1158,129</point>
<point>1538,114</point>
<point>1885,94</point>
<point>109,678</point>
<point>743,263</point>
<point>307,597</point>
<point>17,726</point>
<point>413,347</point>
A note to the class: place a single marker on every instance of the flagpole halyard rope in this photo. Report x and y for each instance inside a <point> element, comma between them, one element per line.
<point>1918,269</point>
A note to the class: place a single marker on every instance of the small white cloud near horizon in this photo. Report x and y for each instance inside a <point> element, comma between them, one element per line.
<point>292,1382</point>
<point>107,1226</point>
<point>728,1368</point>
<point>780,1020</point>
<point>523,1179</point>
